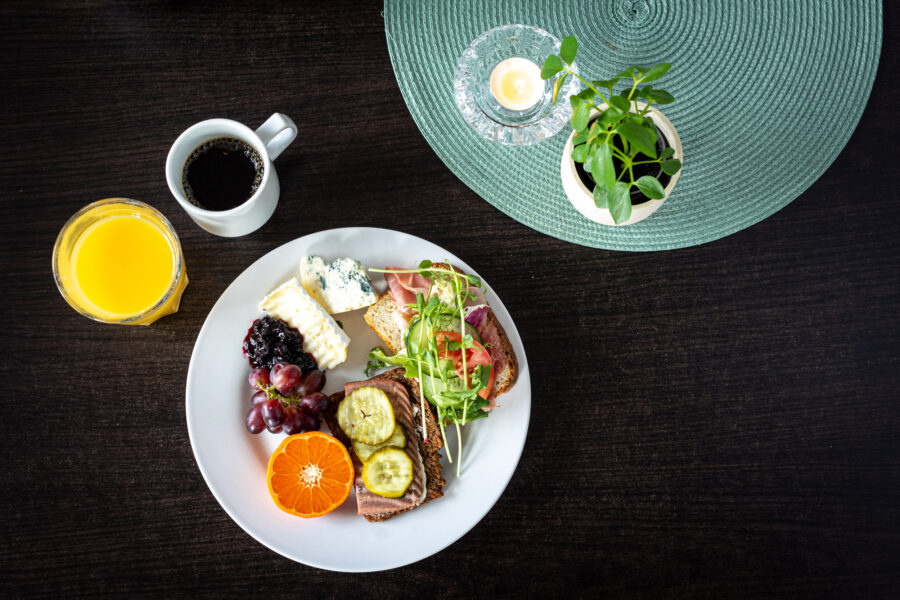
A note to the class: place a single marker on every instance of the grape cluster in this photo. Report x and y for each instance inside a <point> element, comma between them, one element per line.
<point>286,399</point>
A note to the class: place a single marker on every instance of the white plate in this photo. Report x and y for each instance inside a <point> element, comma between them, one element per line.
<point>234,462</point>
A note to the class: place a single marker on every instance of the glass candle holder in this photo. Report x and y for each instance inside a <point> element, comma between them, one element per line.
<point>498,89</point>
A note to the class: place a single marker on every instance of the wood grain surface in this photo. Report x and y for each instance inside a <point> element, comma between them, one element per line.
<point>719,421</point>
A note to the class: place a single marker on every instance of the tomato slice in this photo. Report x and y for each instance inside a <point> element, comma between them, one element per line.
<point>475,357</point>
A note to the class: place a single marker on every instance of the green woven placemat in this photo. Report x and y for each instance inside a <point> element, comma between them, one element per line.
<point>767,94</point>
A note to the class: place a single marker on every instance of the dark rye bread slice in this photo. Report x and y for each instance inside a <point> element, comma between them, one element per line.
<point>430,452</point>
<point>380,318</point>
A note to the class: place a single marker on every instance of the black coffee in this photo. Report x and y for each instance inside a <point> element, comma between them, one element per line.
<point>222,173</point>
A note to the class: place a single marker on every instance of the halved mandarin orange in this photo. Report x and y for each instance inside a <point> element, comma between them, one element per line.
<point>310,474</point>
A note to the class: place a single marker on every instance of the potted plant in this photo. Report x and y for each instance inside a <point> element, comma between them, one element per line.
<point>623,156</point>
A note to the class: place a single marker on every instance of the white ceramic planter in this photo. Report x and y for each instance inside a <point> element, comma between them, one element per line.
<point>582,198</point>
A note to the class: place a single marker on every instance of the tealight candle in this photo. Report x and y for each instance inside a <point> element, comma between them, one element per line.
<point>516,83</point>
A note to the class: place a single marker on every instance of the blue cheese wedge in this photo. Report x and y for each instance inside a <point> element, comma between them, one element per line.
<point>339,286</point>
<point>322,336</point>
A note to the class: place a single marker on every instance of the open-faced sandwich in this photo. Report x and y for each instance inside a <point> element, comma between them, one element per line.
<point>396,470</point>
<point>395,315</point>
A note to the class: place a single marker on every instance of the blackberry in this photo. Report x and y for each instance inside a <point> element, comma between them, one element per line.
<point>271,341</point>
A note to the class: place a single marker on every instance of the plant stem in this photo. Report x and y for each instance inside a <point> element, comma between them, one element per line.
<point>619,154</point>
<point>444,433</point>
<point>588,83</point>
<point>459,443</point>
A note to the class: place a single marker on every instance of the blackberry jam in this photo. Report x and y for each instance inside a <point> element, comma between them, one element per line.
<point>271,341</point>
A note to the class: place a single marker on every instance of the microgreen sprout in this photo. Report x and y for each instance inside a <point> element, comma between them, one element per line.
<point>621,137</point>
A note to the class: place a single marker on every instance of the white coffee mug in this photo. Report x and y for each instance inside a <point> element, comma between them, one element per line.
<point>269,141</point>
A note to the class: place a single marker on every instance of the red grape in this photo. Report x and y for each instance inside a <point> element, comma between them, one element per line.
<point>313,381</point>
<point>258,398</point>
<point>272,413</point>
<point>286,378</point>
<point>276,429</point>
<point>315,403</point>
<point>254,421</point>
<point>308,422</point>
<point>259,378</point>
<point>292,420</point>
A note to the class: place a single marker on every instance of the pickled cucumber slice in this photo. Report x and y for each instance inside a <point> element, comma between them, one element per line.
<point>388,472</point>
<point>366,415</point>
<point>397,440</point>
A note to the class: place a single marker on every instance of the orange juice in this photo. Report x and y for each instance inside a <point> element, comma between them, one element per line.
<point>119,261</point>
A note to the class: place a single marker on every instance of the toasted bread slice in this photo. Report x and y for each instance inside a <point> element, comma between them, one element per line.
<point>430,451</point>
<point>380,317</point>
<point>504,378</point>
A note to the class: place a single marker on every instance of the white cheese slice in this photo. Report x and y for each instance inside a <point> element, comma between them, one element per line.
<point>322,336</point>
<point>339,286</point>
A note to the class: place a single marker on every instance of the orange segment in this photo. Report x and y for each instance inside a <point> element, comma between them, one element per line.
<point>310,474</point>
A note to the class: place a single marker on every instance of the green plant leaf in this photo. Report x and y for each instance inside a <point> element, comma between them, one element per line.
<point>610,116</point>
<point>557,85</point>
<point>587,94</point>
<point>648,123</point>
<point>580,116</point>
<point>619,202</point>
<point>636,119</point>
<point>602,170</point>
<point>662,97</point>
<point>594,131</point>
<point>619,102</point>
<point>666,153</point>
<point>651,187</point>
<point>579,152</point>
<point>638,136</point>
<point>600,197</point>
<point>629,72</point>
<point>671,166</point>
<point>568,49</point>
<point>655,72</point>
<point>645,91</point>
<point>551,67</point>
<point>607,83</point>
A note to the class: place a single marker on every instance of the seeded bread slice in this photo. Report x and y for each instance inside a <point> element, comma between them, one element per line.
<point>380,317</point>
<point>430,451</point>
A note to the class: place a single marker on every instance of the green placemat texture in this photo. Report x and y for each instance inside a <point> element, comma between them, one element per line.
<point>767,93</point>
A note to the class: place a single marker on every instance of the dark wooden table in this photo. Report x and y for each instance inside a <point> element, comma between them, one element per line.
<point>717,421</point>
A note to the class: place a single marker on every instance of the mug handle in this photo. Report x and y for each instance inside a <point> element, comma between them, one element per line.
<point>277,133</point>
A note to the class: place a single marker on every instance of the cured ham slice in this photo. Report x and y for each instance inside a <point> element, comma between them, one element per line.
<point>404,287</point>
<point>490,337</point>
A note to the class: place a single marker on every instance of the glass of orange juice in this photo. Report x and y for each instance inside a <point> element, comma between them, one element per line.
<point>119,261</point>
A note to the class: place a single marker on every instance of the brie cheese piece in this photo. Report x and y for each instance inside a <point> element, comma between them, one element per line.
<point>322,336</point>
